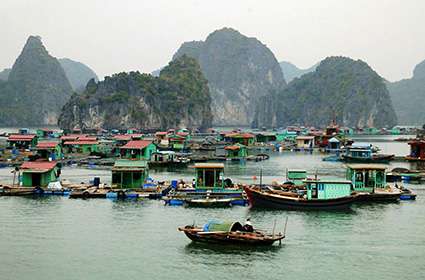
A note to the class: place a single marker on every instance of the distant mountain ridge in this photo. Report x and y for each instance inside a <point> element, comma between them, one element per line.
<point>408,97</point>
<point>77,73</point>
<point>340,89</point>
<point>239,71</point>
<point>291,71</point>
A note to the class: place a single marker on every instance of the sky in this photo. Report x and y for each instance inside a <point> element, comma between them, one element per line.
<point>124,35</point>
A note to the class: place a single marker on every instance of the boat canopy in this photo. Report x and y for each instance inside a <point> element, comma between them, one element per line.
<point>222,226</point>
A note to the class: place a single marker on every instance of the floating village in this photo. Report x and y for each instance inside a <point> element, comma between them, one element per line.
<point>37,157</point>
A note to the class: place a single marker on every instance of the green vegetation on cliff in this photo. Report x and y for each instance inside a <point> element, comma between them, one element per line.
<point>408,97</point>
<point>179,97</point>
<point>343,89</point>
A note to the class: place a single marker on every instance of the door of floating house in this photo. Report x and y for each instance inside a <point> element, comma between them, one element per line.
<point>209,175</point>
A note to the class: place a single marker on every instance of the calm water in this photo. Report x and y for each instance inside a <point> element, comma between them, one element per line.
<point>60,238</point>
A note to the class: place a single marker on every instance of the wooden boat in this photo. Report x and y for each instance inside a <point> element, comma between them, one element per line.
<point>230,233</point>
<point>364,153</point>
<point>266,199</point>
<point>16,191</point>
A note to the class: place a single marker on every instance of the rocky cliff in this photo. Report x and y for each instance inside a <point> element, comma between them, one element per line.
<point>408,97</point>
<point>239,71</point>
<point>179,97</point>
<point>340,88</point>
<point>77,73</point>
<point>36,89</point>
<point>291,71</point>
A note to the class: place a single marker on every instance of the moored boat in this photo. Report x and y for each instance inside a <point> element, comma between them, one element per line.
<point>230,233</point>
<point>318,195</point>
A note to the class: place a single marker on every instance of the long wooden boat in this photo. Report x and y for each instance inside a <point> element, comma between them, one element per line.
<point>378,158</point>
<point>209,202</point>
<point>265,199</point>
<point>232,234</point>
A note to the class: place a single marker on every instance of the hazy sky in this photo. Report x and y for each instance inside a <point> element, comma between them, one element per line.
<point>122,35</point>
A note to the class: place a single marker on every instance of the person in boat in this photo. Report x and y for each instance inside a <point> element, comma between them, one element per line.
<point>193,183</point>
<point>248,226</point>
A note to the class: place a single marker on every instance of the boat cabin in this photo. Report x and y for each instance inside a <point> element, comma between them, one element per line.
<point>39,173</point>
<point>138,150</point>
<point>305,142</point>
<point>22,141</point>
<point>209,175</point>
<point>129,173</point>
<point>236,151</point>
<point>366,177</point>
<point>327,189</point>
<point>417,150</point>
<point>49,150</point>
<point>296,176</point>
<point>359,150</point>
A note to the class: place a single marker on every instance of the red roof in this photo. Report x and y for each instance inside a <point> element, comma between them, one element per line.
<point>87,138</point>
<point>39,165</point>
<point>47,145</point>
<point>183,133</point>
<point>240,135</point>
<point>232,148</point>
<point>123,137</point>
<point>136,144</point>
<point>78,142</point>
<point>21,137</point>
<point>161,133</point>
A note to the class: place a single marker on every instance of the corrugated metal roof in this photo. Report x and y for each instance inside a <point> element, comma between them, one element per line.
<point>21,137</point>
<point>78,142</point>
<point>209,165</point>
<point>39,165</point>
<point>47,145</point>
<point>367,166</point>
<point>136,144</point>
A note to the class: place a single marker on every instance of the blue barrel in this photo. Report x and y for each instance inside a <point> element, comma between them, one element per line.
<point>174,184</point>
<point>96,181</point>
<point>112,195</point>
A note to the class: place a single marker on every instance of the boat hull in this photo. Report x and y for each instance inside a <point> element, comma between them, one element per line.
<point>374,159</point>
<point>263,200</point>
<point>232,238</point>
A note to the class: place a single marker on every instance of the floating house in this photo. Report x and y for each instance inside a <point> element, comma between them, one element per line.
<point>366,177</point>
<point>265,137</point>
<point>334,145</point>
<point>45,133</point>
<point>83,145</point>
<point>327,189</point>
<point>236,152</point>
<point>138,149</point>
<point>246,139</point>
<point>39,173</point>
<point>178,141</point>
<point>49,150</point>
<point>305,142</point>
<point>296,176</point>
<point>286,135</point>
<point>209,175</point>
<point>417,150</point>
<point>129,174</point>
<point>22,141</point>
